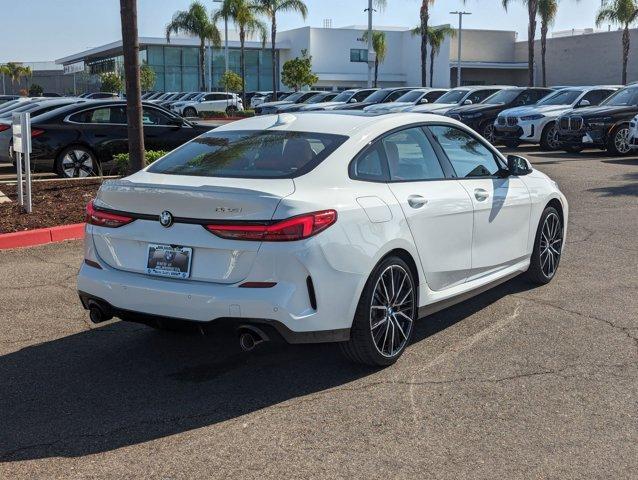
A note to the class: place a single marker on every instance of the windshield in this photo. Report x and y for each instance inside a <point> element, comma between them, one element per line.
<point>316,98</point>
<point>344,96</point>
<point>453,96</point>
<point>562,97</point>
<point>378,96</point>
<point>249,154</point>
<point>623,98</point>
<point>411,97</point>
<point>504,96</point>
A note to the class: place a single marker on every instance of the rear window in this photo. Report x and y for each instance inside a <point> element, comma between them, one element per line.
<point>249,154</point>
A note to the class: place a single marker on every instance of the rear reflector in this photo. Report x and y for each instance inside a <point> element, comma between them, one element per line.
<point>294,228</point>
<point>258,285</point>
<point>36,132</point>
<point>105,219</point>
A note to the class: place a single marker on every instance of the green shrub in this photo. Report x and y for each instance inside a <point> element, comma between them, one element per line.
<point>121,160</point>
<point>35,90</point>
<point>244,113</point>
<point>213,114</point>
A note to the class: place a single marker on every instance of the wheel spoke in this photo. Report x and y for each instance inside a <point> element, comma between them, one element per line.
<point>399,327</point>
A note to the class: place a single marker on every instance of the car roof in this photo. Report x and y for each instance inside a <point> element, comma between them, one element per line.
<point>340,122</point>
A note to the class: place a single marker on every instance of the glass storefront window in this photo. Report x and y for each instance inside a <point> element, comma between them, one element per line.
<point>190,56</point>
<point>172,56</point>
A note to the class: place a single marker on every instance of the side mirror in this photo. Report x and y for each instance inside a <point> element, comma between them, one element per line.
<point>353,100</point>
<point>423,100</point>
<point>518,166</point>
<point>584,103</point>
<point>468,102</point>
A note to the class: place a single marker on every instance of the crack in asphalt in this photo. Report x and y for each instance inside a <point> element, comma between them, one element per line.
<point>624,330</point>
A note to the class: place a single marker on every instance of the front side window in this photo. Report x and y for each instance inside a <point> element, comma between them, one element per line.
<point>502,97</point>
<point>562,97</point>
<point>394,96</point>
<point>594,97</point>
<point>453,96</point>
<point>623,98</point>
<point>150,116</point>
<point>469,157</point>
<point>249,154</point>
<point>480,95</point>
<point>362,95</point>
<point>411,156</point>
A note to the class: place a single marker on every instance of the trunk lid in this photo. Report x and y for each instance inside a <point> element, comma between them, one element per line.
<point>191,201</point>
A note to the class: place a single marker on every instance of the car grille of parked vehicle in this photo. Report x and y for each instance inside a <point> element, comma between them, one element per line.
<point>571,123</point>
<point>512,121</point>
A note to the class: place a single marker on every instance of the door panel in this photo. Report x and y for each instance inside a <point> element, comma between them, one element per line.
<point>501,222</point>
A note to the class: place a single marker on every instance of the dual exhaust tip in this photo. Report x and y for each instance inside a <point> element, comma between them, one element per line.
<point>249,335</point>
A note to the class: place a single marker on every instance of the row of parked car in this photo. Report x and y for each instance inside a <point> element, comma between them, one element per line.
<point>75,136</point>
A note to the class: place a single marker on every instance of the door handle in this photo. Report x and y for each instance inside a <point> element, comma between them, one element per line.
<point>481,194</point>
<point>416,201</point>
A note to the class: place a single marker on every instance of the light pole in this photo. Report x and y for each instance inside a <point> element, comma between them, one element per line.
<point>369,10</point>
<point>458,64</point>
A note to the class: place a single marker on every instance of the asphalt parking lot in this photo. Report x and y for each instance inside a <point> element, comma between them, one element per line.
<point>519,382</point>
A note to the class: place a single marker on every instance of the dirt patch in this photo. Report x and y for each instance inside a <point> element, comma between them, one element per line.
<point>54,203</point>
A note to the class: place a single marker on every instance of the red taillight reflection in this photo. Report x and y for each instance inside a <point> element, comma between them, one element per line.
<point>4,126</point>
<point>36,132</point>
<point>105,219</point>
<point>295,228</point>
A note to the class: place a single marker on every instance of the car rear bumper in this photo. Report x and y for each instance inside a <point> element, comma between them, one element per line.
<point>310,301</point>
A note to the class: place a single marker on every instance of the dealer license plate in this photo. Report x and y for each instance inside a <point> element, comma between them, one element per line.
<point>169,261</point>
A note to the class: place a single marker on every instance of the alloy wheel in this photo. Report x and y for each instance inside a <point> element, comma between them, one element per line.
<point>552,138</point>
<point>392,311</point>
<point>621,141</point>
<point>488,133</point>
<point>77,163</point>
<point>551,243</point>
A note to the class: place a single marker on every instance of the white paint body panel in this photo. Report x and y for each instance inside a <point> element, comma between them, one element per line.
<point>372,220</point>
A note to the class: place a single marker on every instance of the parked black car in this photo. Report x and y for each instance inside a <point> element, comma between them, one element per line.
<point>481,117</point>
<point>605,126</point>
<point>76,141</point>
<point>384,95</point>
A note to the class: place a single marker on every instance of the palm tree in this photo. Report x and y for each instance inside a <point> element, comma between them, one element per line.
<point>436,37</point>
<point>270,8</point>
<point>424,15</point>
<point>547,10</point>
<point>15,72</point>
<point>380,49</point>
<point>4,70</point>
<point>131,49</point>
<point>243,13</point>
<point>196,21</point>
<point>532,10</point>
<point>623,13</point>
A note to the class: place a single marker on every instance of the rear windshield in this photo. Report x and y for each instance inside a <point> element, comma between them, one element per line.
<point>249,154</point>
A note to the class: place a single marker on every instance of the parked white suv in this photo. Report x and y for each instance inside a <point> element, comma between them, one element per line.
<point>537,123</point>
<point>209,102</point>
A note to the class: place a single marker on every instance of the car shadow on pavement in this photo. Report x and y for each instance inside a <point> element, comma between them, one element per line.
<point>623,190</point>
<point>125,384</point>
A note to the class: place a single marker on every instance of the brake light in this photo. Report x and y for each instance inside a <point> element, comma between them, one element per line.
<point>36,132</point>
<point>105,219</point>
<point>294,228</point>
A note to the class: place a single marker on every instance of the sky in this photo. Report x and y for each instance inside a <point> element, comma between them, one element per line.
<point>44,30</point>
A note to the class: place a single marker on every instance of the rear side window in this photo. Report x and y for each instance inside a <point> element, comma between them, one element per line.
<point>250,154</point>
<point>480,95</point>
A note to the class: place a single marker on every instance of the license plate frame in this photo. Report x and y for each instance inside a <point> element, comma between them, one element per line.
<point>169,261</point>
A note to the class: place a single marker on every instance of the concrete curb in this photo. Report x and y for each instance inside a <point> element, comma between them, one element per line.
<point>41,236</point>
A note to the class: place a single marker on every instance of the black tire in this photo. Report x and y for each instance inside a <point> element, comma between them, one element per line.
<point>618,142</point>
<point>538,272</point>
<point>549,138</point>
<point>231,109</point>
<point>361,348</point>
<point>511,143</point>
<point>190,112</point>
<point>76,161</point>
<point>488,132</point>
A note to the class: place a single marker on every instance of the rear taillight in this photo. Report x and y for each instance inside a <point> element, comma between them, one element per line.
<point>36,132</point>
<point>295,228</point>
<point>105,219</point>
<point>4,127</point>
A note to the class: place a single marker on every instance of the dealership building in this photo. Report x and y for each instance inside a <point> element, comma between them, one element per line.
<point>339,59</point>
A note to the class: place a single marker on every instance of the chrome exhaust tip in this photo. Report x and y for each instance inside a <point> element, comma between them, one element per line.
<point>250,337</point>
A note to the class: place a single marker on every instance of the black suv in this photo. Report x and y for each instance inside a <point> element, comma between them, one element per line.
<point>605,126</point>
<point>481,117</point>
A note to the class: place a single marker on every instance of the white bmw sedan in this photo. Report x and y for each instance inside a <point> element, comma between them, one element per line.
<point>321,227</point>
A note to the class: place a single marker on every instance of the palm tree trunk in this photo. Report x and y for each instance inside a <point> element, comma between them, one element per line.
<point>425,16</point>
<point>544,29</point>
<point>242,65</point>
<point>131,48</point>
<point>625,53</point>
<point>376,71</point>
<point>431,66</point>
<point>202,64</point>
<point>532,9</point>
<point>273,51</point>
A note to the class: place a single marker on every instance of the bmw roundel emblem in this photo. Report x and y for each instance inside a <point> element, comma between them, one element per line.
<point>166,219</point>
